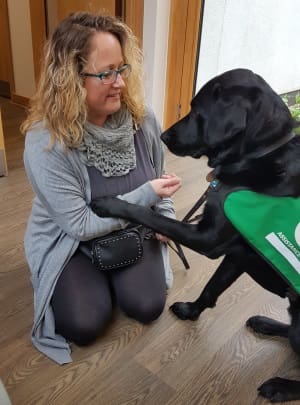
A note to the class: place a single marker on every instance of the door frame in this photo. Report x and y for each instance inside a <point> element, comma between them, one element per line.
<point>38,11</point>
<point>3,161</point>
<point>184,40</point>
<point>7,85</point>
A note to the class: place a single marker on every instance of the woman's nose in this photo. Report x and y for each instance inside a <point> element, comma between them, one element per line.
<point>119,82</point>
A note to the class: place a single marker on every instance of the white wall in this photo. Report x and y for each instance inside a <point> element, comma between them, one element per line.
<point>262,35</point>
<point>155,46</point>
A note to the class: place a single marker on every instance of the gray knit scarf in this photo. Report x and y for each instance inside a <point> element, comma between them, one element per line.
<point>110,148</point>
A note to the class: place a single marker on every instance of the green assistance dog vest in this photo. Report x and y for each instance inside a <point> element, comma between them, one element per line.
<point>272,227</point>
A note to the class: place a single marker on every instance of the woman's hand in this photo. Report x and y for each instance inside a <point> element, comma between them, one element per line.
<point>161,237</point>
<point>166,186</point>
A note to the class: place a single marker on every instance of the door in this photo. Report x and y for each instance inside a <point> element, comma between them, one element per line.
<point>65,7</point>
<point>131,11</point>
<point>185,21</point>
<point>45,15</point>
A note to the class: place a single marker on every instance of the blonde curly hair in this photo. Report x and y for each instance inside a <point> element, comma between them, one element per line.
<point>59,102</point>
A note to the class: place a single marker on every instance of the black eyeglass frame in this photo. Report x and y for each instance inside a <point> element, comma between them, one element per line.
<point>113,72</point>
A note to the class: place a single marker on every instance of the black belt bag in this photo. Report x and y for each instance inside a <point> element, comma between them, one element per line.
<point>117,249</point>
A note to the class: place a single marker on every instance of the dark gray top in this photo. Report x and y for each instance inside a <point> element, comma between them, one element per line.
<point>112,186</point>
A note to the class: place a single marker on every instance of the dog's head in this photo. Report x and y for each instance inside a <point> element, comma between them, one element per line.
<point>233,116</point>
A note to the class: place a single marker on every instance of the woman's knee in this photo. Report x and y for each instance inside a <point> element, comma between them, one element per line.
<point>144,310</point>
<point>84,330</point>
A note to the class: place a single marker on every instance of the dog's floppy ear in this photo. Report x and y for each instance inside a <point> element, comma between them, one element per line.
<point>230,111</point>
<point>228,117</point>
<point>269,119</point>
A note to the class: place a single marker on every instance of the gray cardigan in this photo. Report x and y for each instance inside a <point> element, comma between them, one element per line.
<point>61,218</point>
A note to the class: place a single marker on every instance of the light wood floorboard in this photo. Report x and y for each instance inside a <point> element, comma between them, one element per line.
<point>214,360</point>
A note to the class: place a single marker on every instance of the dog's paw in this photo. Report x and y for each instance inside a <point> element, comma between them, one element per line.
<point>185,310</point>
<point>280,390</point>
<point>267,326</point>
<point>258,324</point>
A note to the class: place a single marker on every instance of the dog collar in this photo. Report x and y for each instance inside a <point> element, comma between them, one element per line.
<point>237,166</point>
<point>271,148</point>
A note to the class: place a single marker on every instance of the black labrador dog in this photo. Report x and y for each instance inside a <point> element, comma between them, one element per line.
<point>246,132</point>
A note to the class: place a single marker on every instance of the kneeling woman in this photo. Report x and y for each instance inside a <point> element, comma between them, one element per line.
<point>89,135</point>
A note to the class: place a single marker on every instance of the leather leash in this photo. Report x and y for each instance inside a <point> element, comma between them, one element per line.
<point>189,219</point>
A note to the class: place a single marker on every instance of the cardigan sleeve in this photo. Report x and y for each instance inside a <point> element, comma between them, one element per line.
<point>152,130</point>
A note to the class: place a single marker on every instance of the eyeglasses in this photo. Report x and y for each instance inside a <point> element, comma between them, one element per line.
<point>110,76</point>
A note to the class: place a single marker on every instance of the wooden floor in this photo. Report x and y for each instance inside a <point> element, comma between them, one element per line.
<point>214,360</point>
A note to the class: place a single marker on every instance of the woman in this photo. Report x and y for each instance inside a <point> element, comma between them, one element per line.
<point>88,135</point>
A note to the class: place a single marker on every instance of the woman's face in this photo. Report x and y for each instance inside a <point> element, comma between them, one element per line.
<point>103,99</point>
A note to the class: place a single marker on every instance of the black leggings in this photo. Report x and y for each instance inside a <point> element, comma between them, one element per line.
<point>83,298</point>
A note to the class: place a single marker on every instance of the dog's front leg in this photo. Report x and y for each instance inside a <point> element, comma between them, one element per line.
<point>199,238</point>
<point>225,275</point>
<point>176,230</point>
